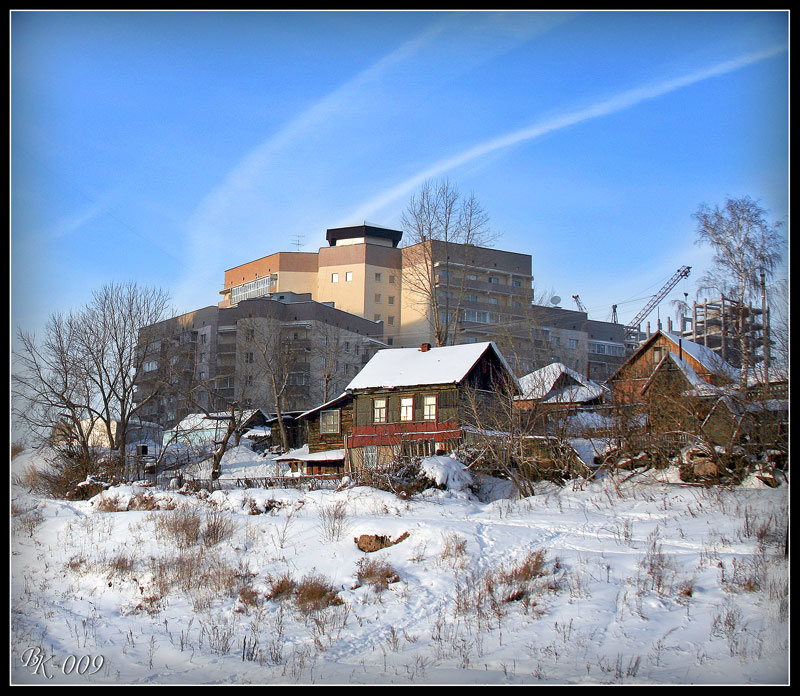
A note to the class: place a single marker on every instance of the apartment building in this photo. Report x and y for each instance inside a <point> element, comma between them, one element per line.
<point>476,293</point>
<point>216,356</point>
<point>359,272</point>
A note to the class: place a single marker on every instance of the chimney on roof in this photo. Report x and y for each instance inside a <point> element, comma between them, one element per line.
<point>425,347</point>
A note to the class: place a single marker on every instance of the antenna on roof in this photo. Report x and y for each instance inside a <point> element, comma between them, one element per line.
<point>298,241</point>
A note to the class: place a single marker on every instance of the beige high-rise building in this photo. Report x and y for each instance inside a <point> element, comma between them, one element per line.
<point>364,271</point>
<point>358,272</point>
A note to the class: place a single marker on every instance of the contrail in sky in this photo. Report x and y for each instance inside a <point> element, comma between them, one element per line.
<point>615,104</point>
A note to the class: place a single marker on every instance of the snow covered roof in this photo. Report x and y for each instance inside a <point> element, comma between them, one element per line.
<point>408,367</point>
<point>302,455</point>
<point>201,421</point>
<point>705,356</point>
<point>327,404</point>
<point>540,383</point>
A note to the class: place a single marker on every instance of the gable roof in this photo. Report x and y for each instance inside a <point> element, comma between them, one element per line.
<point>540,383</point>
<point>702,354</point>
<point>697,385</point>
<point>411,367</point>
<point>213,421</point>
<point>337,401</point>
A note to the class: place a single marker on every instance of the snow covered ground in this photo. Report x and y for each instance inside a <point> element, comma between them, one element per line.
<point>621,580</point>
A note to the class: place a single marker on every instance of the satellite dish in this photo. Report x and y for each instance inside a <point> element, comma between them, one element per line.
<point>555,299</point>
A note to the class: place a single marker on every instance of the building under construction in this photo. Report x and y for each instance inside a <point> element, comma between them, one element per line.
<point>719,324</point>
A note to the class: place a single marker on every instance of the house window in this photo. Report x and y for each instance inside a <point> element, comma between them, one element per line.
<point>329,421</point>
<point>391,299</point>
<point>429,408</point>
<point>334,277</point>
<point>573,343</point>
<point>248,357</point>
<point>203,338</point>
<point>659,354</point>
<point>348,276</point>
<point>378,277</point>
<point>379,411</point>
<point>150,365</point>
<point>472,297</point>
<point>471,276</point>
<point>377,317</point>
<point>494,300</point>
<point>516,283</point>
<point>390,319</point>
<point>391,279</point>
<point>494,280</point>
<point>377,298</point>
<point>248,380</point>
<point>407,408</point>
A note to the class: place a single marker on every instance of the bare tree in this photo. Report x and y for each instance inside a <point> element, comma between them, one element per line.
<point>443,231</point>
<point>49,391</point>
<point>274,364</point>
<point>331,350</point>
<point>517,438</point>
<point>745,245</point>
<point>82,375</point>
<point>114,325</point>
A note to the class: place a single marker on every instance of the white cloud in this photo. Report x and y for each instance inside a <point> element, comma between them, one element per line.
<point>606,107</point>
<point>243,183</point>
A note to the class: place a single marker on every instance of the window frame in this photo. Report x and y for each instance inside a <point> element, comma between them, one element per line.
<point>380,413</point>
<point>326,429</point>
<point>406,409</point>
<point>426,414</point>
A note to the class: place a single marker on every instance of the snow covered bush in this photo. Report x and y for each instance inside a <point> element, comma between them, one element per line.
<point>446,472</point>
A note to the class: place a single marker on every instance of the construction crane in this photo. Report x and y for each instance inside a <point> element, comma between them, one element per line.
<point>632,329</point>
<point>579,303</point>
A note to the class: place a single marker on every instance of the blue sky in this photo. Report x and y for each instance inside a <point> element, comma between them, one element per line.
<point>166,147</point>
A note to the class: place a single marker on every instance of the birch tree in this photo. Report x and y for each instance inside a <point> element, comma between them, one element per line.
<point>745,245</point>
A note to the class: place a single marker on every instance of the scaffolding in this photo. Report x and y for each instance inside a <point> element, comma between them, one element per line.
<point>719,325</point>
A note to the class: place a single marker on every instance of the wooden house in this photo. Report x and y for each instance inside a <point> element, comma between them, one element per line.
<point>686,389</point>
<point>553,394</point>
<point>413,401</point>
<point>702,365</point>
<point>326,428</point>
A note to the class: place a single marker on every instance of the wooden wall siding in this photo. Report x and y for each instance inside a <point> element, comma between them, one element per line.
<point>632,377</point>
<point>321,442</point>
<point>446,404</point>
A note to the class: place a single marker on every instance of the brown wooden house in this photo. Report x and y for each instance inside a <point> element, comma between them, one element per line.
<point>411,401</point>
<point>684,390</point>
<point>630,380</point>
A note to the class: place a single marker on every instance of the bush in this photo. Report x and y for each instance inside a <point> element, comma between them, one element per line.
<point>218,527</point>
<point>375,572</point>
<point>71,477</point>
<point>313,593</point>
<point>181,526</point>
<point>282,587</point>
